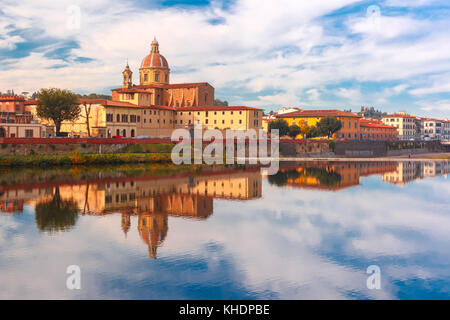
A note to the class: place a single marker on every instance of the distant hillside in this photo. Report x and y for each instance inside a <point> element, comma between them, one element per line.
<point>95,96</point>
<point>370,113</point>
<point>220,103</point>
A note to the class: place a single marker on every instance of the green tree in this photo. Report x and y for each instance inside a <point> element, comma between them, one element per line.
<point>95,96</point>
<point>328,126</point>
<point>294,131</point>
<point>281,125</point>
<point>57,105</point>
<point>304,127</point>
<point>56,214</point>
<point>220,103</point>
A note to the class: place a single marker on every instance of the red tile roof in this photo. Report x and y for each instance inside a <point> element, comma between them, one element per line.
<point>317,113</point>
<point>374,124</point>
<point>216,108</point>
<point>154,60</point>
<point>398,115</point>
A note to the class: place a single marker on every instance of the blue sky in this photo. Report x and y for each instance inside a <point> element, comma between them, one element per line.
<point>390,54</point>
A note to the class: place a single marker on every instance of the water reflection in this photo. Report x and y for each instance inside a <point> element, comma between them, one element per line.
<point>229,233</point>
<point>151,198</point>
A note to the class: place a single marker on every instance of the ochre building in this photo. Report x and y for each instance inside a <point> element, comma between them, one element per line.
<point>156,107</point>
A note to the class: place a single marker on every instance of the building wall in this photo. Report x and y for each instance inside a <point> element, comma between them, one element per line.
<point>350,125</point>
<point>405,126</point>
<point>378,133</point>
<point>12,130</point>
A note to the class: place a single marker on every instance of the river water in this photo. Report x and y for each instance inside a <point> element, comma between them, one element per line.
<point>156,232</point>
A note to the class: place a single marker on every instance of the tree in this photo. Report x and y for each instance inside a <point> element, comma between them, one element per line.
<point>220,103</point>
<point>328,126</point>
<point>294,131</point>
<point>87,111</point>
<point>57,105</point>
<point>281,125</point>
<point>95,96</point>
<point>56,214</point>
<point>304,127</point>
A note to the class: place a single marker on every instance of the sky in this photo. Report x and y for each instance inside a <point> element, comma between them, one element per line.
<point>393,55</point>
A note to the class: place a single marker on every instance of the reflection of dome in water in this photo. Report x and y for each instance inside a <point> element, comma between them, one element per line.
<point>153,230</point>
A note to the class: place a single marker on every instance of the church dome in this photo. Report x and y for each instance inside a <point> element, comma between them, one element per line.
<point>154,60</point>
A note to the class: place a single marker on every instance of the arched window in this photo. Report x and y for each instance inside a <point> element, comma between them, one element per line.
<point>145,77</point>
<point>156,77</point>
<point>132,133</point>
<point>117,132</point>
<point>124,133</point>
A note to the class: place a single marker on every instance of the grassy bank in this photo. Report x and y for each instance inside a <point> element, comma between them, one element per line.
<point>77,158</point>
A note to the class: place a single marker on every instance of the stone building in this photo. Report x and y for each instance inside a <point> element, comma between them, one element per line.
<point>156,107</point>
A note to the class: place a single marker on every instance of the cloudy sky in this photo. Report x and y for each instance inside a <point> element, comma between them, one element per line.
<point>390,54</point>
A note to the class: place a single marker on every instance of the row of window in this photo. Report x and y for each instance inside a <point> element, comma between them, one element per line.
<point>123,118</point>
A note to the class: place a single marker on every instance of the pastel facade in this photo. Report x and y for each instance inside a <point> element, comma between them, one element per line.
<point>433,129</point>
<point>155,107</point>
<point>350,121</point>
<point>404,123</point>
<point>16,120</point>
<point>376,130</point>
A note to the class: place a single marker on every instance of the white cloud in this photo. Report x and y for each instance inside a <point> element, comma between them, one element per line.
<point>290,51</point>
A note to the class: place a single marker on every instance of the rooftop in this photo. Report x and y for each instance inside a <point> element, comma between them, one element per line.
<point>317,113</point>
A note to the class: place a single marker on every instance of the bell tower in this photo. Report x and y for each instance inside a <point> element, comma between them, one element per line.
<point>127,77</point>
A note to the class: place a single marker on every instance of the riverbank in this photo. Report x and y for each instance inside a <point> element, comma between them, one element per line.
<point>77,158</point>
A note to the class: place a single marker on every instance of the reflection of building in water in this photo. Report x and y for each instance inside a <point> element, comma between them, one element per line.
<point>435,168</point>
<point>11,207</point>
<point>330,175</point>
<point>408,171</point>
<point>153,199</point>
<point>153,230</point>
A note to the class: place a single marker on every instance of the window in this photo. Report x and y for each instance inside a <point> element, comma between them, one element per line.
<point>109,117</point>
<point>133,118</point>
<point>118,118</point>
<point>206,121</point>
<point>29,133</point>
<point>124,118</point>
<point>156,77</point>
<point>240,121</point>
<point>145,77</point>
